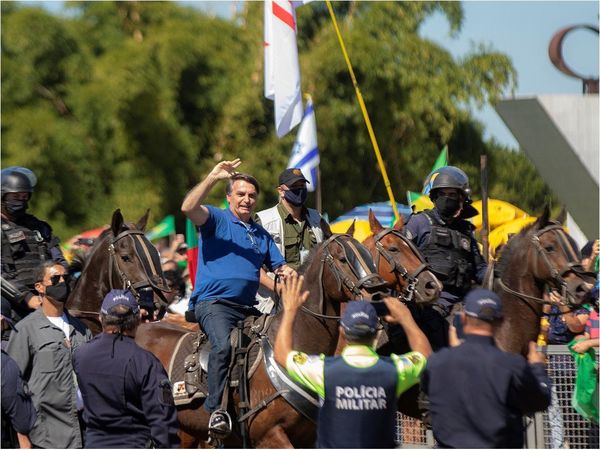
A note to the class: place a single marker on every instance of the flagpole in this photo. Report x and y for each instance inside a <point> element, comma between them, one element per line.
<point>363,108</point>
<point>318,203</point>
<point>484,207</point>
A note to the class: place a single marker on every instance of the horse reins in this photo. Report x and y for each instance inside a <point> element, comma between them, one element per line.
<point>151,271</point>
<point>341,277</point>
<point>557,275</point>
<point>398,269</point>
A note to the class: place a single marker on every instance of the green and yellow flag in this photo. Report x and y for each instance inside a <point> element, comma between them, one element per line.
<point>164,228</point>
<point>441,161</point>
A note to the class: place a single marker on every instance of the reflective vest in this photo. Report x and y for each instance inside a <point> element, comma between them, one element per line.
<point>448,253</point>
<point>272,222</point>
<point>359,407</point>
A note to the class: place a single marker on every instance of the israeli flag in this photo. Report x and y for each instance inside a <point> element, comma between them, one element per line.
<point>305,154</point>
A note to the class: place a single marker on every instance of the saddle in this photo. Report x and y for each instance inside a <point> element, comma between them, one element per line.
<point>188,367</point>
<point>188,370</point>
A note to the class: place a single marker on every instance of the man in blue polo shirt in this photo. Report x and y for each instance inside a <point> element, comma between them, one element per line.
<point>231,251</point>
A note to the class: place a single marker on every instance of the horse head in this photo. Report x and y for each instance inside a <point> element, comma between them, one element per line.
<point>400,263</point>
<point>121,258</point>
<point>554,259</point>
<point>344,271</point>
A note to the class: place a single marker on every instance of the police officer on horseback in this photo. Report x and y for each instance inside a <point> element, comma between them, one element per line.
<point>26,242</point>
<point>445,238</point>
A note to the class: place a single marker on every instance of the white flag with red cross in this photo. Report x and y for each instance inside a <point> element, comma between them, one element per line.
<point>282,71</point>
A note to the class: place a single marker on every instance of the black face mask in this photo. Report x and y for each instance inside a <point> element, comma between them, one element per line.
<point>447,206</point>
<point>59,293</point>
<point>16,207</point>
<point>296,197</point>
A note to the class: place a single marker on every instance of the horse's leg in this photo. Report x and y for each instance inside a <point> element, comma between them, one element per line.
<point>276,437</point>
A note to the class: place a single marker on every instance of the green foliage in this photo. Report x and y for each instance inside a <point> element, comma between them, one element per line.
<point>129,104</point>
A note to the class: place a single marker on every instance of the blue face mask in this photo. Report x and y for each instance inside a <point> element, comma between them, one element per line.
<point>296,197</point>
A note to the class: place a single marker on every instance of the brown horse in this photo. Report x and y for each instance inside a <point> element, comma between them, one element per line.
<point>336,271</point>
<point>121,257</point>
<point>541,255</point>
<point>400,263</point>
<point>405,271</point>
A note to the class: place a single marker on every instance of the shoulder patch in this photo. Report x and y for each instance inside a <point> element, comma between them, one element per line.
<point>300,358</point>
<point>465,244</point>
<point>408,234</point>
<point>414,359</point>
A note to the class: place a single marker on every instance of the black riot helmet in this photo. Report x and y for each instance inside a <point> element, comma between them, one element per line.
<point>18,179</point>
<point>449,177</point>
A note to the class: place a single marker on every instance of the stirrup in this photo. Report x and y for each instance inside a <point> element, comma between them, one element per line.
<point>219,424</point>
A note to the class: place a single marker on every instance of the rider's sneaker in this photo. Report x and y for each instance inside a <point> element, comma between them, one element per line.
<point>219,423</point>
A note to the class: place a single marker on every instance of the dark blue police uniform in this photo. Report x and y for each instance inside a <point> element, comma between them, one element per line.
<point>126,393</point>
<point>478,394</point>
<point>18,413</point>
<point>359,407</point>
<point>452,254</point>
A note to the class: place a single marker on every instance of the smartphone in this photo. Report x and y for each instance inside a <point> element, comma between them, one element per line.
<point>380,308</point>
<point>458,326</point>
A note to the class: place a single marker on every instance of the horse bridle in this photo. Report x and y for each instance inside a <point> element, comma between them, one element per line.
<point>358,266</point>
<point>573,264</point>
<point>151,271</point>
<point>398,269</point>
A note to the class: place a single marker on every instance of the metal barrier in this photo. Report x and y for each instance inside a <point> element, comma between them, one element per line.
<point>561,427</point>
<point>411,433</point>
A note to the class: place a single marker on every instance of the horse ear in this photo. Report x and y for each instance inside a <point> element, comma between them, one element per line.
<point>117,222</point>
<point>374,224</point>
<point>326,230</point>
<point>562,216</point>
<point>350,229</point>
<point>399,223</point>
<point>544,218</point>
<point>141,224</point>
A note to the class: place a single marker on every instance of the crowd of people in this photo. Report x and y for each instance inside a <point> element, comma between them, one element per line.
<point>64,388</point>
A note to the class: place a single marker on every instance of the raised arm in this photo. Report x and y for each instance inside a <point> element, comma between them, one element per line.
<point>192,203</point>
<point>401,315</point>
<point>292,298</point>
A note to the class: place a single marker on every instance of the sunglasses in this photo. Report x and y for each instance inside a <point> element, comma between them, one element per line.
<point>55,279</point>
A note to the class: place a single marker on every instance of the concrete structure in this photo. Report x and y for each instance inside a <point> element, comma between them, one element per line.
<point>560,134</point>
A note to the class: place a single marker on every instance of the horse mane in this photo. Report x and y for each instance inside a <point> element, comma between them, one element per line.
<point>309,259</point>
<point>512,249</point>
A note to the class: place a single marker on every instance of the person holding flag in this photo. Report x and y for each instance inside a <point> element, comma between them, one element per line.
<point>445,239</point>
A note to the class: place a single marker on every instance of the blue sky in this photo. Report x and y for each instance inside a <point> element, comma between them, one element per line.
<point>523,31</point>
<point>520,29</point>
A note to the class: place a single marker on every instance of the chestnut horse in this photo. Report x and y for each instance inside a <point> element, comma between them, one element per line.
<point>406,273</point>
<point>338,270</point>
<point>541,255</point>
<point>400,263</point>
<point>120,258</point>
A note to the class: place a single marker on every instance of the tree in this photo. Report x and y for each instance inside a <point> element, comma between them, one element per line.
<point>129,104</point>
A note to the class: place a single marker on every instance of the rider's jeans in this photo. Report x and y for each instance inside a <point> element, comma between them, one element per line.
<point>217,318</point>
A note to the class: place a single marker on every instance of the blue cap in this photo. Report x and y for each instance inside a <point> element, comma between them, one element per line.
<point>119,297</point>
<point>359,319</point>
<point>483,304</point>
